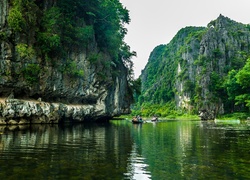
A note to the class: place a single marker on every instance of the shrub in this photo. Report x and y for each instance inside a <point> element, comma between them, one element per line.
<point>70,68</point>
<point>3,36</point>
<point>16,20</point>
<point>25,51</point>
<point>31,73</point>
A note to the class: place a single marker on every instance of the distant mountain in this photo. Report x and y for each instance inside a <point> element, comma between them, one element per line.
<point>193,69</point>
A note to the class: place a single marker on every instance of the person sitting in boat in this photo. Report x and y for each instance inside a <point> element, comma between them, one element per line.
<point>155,118</point>
<point>139,118</point>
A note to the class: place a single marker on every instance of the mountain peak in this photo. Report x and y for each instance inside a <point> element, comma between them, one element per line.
<point>221,22</point>
<point>222,17</point>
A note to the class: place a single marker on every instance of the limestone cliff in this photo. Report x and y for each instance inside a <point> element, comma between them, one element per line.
<point>194,66</point>
<point>82,82</point>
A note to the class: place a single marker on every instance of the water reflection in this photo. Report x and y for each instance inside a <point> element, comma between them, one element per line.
<point>137,167</point>
<point>122,150</point>
<point>194,149</point>
<point>67,152</point>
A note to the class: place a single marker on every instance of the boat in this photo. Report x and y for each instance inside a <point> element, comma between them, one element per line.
<point>154,119</point>
<point>137,120</point>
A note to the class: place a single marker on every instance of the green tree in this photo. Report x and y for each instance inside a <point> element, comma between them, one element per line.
<point>96,27</point>
<point>23,15</point>
<point>243,78</point>
<point>233,89</point>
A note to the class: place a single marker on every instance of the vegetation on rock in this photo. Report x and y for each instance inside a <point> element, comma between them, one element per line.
<point>200,69</point>
<point>51,30</point>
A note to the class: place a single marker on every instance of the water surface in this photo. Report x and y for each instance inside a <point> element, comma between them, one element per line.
<point>122,150</point>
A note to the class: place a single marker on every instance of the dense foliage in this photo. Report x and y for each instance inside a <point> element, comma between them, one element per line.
<point>64,26</point>
<point>181,78</point>
<point>160,74</point>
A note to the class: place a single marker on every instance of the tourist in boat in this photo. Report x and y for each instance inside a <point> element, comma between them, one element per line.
<point>155,118</point>
<point>134,118</point>
<point>137,119</point>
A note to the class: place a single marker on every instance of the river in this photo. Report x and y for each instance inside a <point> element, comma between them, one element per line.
<point>122,150</point>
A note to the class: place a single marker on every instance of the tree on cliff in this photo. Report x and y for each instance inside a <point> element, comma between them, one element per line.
<point>63,26</point>
<point>200,68</point>
<point>243,78</point>
<point>74,39</point>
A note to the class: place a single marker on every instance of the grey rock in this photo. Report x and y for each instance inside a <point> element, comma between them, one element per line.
<point>90,97</point>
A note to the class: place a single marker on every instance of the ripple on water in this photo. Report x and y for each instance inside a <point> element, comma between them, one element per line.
<point>137,168</point>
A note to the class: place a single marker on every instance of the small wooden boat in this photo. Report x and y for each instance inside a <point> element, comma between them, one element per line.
<point>136,120</point>
<point>154,119</point>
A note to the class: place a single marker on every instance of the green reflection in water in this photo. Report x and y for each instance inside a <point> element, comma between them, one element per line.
<point>71,152</point>
<point>194,149</point>
<point>122,150</point>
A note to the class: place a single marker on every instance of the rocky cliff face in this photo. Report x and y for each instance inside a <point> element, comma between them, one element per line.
<point>64,90</point>
<point>223,47</point>
<point>199,61</point>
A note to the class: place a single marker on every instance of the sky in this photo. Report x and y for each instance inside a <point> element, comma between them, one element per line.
<point>155,22</point>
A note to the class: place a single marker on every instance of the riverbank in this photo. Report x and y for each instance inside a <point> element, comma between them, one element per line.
<point>236,115</point>
<point>170,117</point>
<point>26,111</point>
<point>231,116</point>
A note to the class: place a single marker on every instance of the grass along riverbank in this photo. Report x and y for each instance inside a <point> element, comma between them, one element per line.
<point>232,116</point>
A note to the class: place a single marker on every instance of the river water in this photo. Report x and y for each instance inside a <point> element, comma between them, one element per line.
<point>122,150</point>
